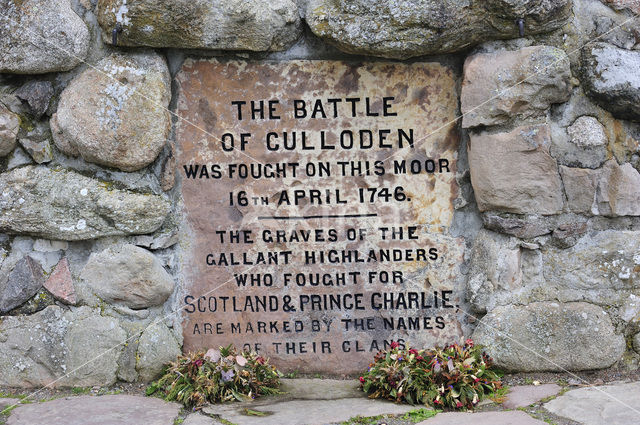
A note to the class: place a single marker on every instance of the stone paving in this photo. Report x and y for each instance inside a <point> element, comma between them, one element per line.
<point>617,404</point>
<point>324,401</point>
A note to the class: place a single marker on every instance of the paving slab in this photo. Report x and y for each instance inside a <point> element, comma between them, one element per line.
<point>199,419</point>
<point>306,412</point>
<point>524,395</point>
<point>6,402</point>
<point>487,418</point>
<point>320,389</point>
<point>617,404</point>
<point>97,410</point>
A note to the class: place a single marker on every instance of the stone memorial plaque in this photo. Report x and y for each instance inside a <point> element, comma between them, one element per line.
<point>318,206</point>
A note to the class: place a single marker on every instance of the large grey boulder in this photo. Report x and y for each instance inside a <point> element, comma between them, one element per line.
<point>257,25</point>
<point>550,337</point>
<point>492,92</point>
<point>128,275</point>
<point>60,204</point>
<point>23,282</point>
<point>79,346</point>
<point>611,76</point>
<point>402,29</point>
<point>157,347</point>
<point>116,115</point>
<point>39,36</point>
<point>514,172</point>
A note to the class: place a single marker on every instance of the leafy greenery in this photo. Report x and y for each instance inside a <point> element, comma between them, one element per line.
<point>362,420</point>
<point>80,390</point>
<point>216,376</point>
<point>420,415</point>
<point>454,376</point>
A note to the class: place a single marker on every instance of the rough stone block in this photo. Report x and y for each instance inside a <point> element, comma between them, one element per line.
<point>513,172</point>
<point>492,92</point>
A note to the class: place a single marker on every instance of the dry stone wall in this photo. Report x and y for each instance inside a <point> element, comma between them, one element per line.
<point>93,233</point>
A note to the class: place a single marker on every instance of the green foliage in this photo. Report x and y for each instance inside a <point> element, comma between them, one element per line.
<point>80,390</point>
<point>363,420</point>
<point>455,376</point>
<point>420,415</point>
<point>216,376</point>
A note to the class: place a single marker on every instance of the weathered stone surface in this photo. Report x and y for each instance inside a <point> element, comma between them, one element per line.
<point>420,27</point>
<point>18,158</point>
<point>611,76</point>
<point>619,190</point>
<point>524,395</point>
<point>587,131</point>
<point>601,268</point>
<point>41,300</point>
<point>258,25</point>
<point>37,95</point>
<point>9,126</point>
<point>40,151</point>
<point>632,5</point>
<point>513,172</point>
<point>495,268</point>
<point>35,350</point>
<point>157,347</point>
<point>524,228</point>
<point>616,404</point>
<point>550,337</point>
<point>483,418</point>
<point>490,91</point>
<point>39,36</point>
<point>423,97</point>
<point>64,205</point>
<point>116,115</point>
<point>199,419</point>
<point>580,186</point>
<point>23,282</point>
<point>117,409</point>
<point>320,389</point>
<point>613,190</point>
<point>93,345</point>
<point>636,343</point>
<point>60,283</point>
<point>128,275</point>
<point>305,412</point>
<point>629,311</point>
<point>573,124</point>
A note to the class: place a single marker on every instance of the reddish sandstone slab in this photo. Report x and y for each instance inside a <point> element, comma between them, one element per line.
<point>60,283</point>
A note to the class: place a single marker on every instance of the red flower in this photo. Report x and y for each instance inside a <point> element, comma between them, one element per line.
<point>469,342</point>
<point>419,358</point>
<point>394,344</point>
<point>362,379</point>
<point>413,351</point>
<point>260,360</point>
<point>458,405</point>
<point>476,380</point>
<point>436,401</point>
